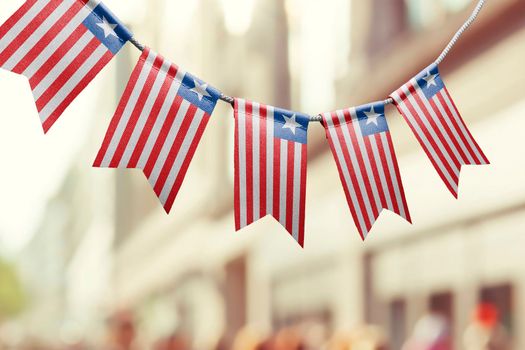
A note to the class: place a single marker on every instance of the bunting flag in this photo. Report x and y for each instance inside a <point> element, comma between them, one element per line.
<point>363,149</point>
<point>158,124</point>
<point>270,166</point>
<point>60,46</point>
<point>428,108</point>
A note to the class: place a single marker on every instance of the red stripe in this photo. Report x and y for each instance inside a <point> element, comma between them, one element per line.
<point>152,117</point>
<point>137,110</point>
<point>163,135</point>
<point>57,55</point>
<point>120,109</point>
<point>290,179</point>
<point>249,160</point>
<point>390,186</point>
<point>302,201</point>
<point>25,33</point>
<point>345,149</point>
<point>448,122</point>
<point>16,17</point>
<point>375,172</point>
<point>237,196</point>
<point>47,38</point>
<point>93,72</point>
<point>428,116</point>
<point>276,177</point>
<point>263,140</point>
<point>398,177</point>
<point>360,160</point>
<point>64,77</point>
<point>353,210</point>
<point>175,149</point>
<point>185,164</point>
<point>452,121</point>
<point>469,134</point>
<point>438,152</point>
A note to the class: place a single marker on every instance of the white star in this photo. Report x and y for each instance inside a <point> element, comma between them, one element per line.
<point>200,90</point>
<point>431,80</point>
<point>291,123</point>
<point>108,28</point>
<point>372,117</point>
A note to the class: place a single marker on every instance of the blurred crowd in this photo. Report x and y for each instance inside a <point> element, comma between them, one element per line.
<point>431,332</point>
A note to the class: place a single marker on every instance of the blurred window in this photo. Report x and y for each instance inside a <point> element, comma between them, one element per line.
<point>427,13</point>
<point>443,305</point>
<point>398,315</point>
<point>501,297</point>
<point>388,22</point>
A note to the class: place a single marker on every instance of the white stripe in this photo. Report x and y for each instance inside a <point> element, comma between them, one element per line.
<point>356,166</point>
<point>463,128</point>
<point>241,120</point>
<point>54,44</point>
<point>124,119</point>
<point>366,160</point>
<point>283,169</point>
<point>160,120</point>
<point>428,127</point>
<point>22,23</point>
<point>440,126</point>
<point>145,113</point>
<point>346,173</point>
<point>462,145</point>
<point>182,155</point>
<point>64,62</point>
<point>393,173</point>
<point>269,159</point>
<point>168,143</point>
<point>413,122</point>
<point>297,179</point>
<point>379,166</point>
<point>73,82</point>
<point>256,160</point>
<point>37,35</point>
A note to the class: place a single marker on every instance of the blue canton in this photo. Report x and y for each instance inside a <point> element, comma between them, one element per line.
<point>430,89</point>
<point>112,42</point>
<point>368,125</point>
<point>206,103</point>
<point>301,131</point>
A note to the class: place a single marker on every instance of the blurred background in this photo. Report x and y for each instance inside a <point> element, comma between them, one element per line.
<point>89,259</point>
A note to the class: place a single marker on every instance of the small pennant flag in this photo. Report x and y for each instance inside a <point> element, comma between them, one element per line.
<point>428,108</point>
<point>363,149</point>
<point>60,46</point>
<point>270,166</point>
<point>158,124</point>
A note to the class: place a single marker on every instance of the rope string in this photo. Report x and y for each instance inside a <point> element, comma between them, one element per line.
<point>439,60</point>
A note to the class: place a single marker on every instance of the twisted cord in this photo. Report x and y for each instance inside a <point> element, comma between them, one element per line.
<point>137,44</point>
<point>439,60</point>
<point>460,32</point>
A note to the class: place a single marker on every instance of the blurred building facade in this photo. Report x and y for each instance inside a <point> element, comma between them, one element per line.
<point>190,271</point>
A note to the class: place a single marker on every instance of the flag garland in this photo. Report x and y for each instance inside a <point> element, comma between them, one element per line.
<point>427,106</point>
<point>270,166</point>
<point>61,46</point>
<point>158,124</point>
<point>362,147</point>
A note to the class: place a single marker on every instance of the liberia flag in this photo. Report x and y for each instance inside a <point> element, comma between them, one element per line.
<point>60,46</point>
<point>363,149</point>
<point>428,108</point>
<point>270,166</point>
<point>158,124</point>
